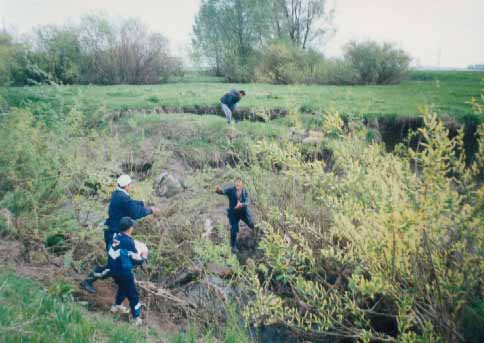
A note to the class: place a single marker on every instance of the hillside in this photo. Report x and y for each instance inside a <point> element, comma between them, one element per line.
<point>355,241</point>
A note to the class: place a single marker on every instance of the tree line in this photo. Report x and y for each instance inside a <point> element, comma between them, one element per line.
<point>280,41</point>
<point>97,50</point>
<point>274,41</point>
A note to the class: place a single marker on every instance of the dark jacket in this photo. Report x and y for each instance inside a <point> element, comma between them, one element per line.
<point>231,193</point>
<point>230,99</point>
<point>122,205</point>
<point>122,255</point>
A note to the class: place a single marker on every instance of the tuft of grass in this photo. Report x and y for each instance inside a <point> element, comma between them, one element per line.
<point>233,331</point>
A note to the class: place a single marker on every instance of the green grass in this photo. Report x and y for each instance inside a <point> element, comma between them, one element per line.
<point>200,140</point>
<point>448,92</point>
<point>31,314</point>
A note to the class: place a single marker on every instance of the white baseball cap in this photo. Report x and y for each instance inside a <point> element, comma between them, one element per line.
<point>124,180</point>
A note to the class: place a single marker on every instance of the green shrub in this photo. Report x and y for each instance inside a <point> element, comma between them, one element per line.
<point>362,236</point>
<point>364,63</point>
<point>4,107</point>
<point>377,63</point>
<point>7,52</point>
<point>280,65</point>
<point>283,63</point>
<point>339,72</point>
<point>29,170</point>
<point>238,69</point>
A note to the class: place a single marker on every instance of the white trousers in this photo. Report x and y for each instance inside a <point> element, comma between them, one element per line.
<point>227,111</point>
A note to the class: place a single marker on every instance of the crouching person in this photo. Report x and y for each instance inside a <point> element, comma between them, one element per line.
<point>122,258</point>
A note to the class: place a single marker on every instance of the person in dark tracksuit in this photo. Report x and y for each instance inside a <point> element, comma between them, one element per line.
<point>121,205</point>
<point>229,102</point>
<point>238,209</point>
<point>122,258</point>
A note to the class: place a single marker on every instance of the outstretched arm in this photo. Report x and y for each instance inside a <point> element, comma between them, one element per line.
<point>219,190</point>
<point>137,209</point>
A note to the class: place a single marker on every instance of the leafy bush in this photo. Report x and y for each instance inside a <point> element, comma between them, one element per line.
<point>362,246</point>
<point>377,63</point>
<point>171,67</point>
<point>4,107</point>
<point>283,63</point>
<point>6,55</point>
<point>339,72</point>
<point>280,64</point>
<point>363,63</point>
<point>41,166</point>
<point>237,69</point>
<point>28,179</point>
<point>98,51</point>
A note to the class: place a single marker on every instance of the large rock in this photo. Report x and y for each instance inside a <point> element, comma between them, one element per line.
<point>167,185</point>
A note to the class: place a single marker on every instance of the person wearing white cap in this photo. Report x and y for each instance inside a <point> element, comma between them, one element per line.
<point>121,205</point>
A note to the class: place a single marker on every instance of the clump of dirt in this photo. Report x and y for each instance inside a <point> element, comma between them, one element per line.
<point>10,251</point>
<point>104,297</point>
<point>88,251</point>
<point>140,164</point>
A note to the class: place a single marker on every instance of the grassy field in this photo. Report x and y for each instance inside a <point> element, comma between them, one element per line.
<point>447,92</point>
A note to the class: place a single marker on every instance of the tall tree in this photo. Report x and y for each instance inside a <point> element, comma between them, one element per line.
<point>230,27</point>
<point>58,52</point>
<point>208,35</point>
<point>301,21</point>
<point>7,51</point>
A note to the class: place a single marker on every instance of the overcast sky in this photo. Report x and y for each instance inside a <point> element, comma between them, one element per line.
<point>448,33</point>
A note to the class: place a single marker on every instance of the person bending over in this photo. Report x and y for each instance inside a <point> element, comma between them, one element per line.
<point>229,102</point>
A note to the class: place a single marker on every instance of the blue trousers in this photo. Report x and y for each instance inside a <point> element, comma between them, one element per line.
<point>127,289</point>
<point>102,272</point>
<point>235,216</point>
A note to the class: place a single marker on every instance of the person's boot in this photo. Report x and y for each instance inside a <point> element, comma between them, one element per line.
<point>87,284</point>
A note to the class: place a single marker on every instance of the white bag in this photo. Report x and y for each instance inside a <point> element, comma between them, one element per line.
<point>141,248</point>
